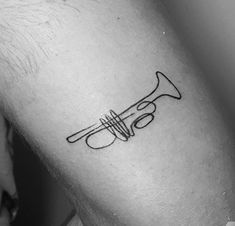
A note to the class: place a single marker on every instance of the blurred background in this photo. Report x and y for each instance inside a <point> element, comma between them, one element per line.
<point>42,203</point>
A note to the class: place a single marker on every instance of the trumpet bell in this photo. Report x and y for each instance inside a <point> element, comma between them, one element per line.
<point>165,87</point>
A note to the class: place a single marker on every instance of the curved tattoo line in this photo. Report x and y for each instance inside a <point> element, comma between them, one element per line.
<point>119,125</point>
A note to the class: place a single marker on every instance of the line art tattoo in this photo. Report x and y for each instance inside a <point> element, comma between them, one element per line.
<point>122,126</point>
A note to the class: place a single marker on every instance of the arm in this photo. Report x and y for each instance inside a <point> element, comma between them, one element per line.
<point>209,29</point>
<point>87,57</point>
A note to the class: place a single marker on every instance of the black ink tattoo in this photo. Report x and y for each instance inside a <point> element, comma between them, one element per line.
<point>122,126</point>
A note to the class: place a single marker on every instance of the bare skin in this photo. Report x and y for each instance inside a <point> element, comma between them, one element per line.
<point>208,27</point>
<point>68,63</point>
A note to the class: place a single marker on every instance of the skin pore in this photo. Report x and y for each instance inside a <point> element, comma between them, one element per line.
<point>64,64</point>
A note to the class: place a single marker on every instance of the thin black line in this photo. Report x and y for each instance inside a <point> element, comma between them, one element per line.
<point>115,123</point>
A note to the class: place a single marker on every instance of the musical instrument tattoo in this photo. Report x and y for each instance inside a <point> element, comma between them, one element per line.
<point>122,126</point>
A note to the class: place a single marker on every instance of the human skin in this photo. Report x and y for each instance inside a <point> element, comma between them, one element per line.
<point>66,64</point>
<point>209,29</point>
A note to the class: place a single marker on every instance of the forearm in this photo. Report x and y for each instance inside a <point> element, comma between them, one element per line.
<point>172,172</point>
